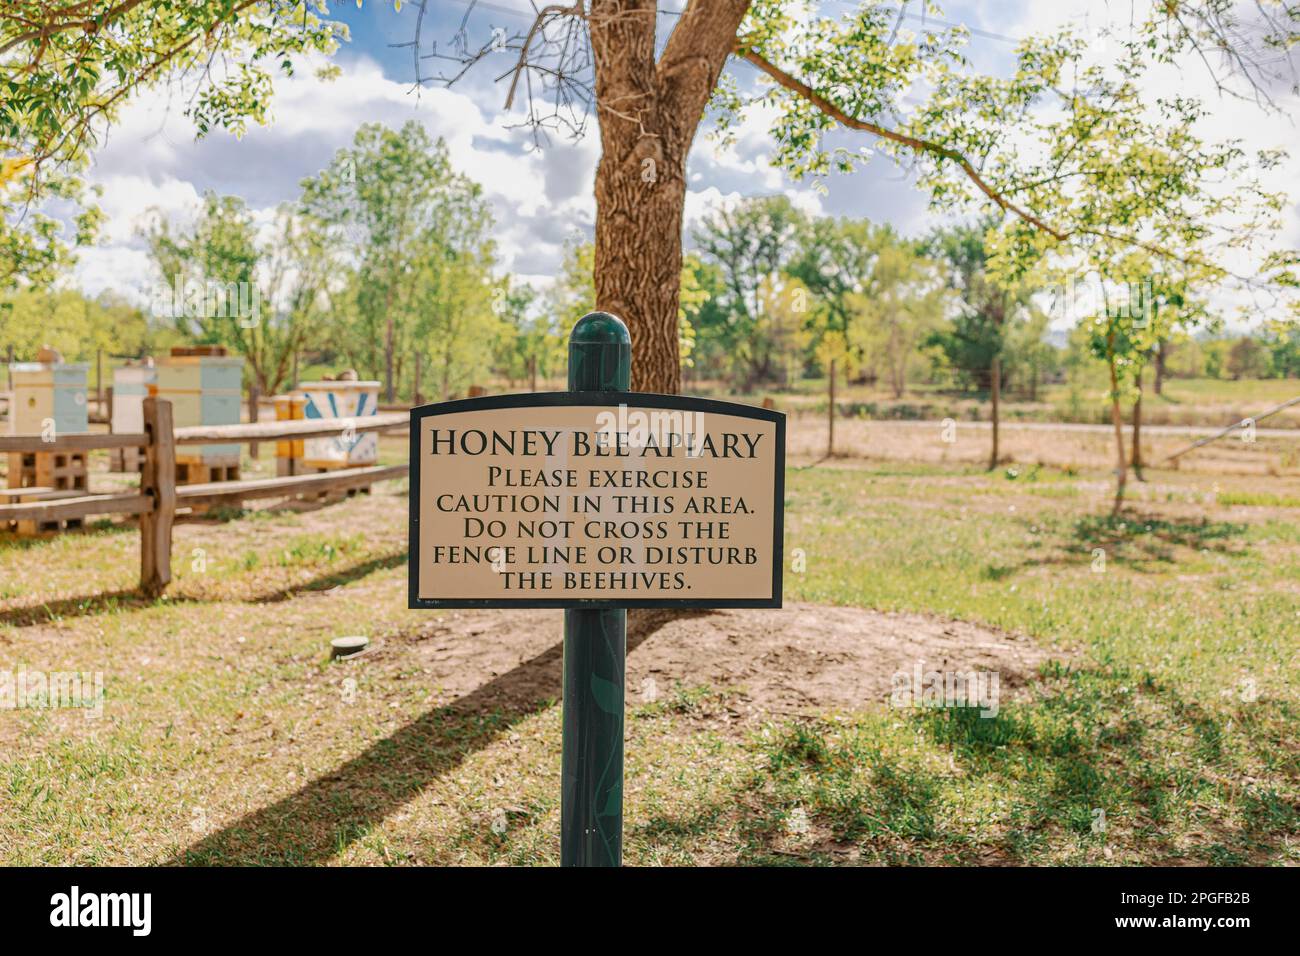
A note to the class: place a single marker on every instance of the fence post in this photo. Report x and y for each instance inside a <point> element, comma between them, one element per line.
<point>595,652</point>
<point>158,480</point>
<point>254,401</point>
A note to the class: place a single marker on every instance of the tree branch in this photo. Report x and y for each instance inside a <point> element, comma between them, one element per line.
<point>700,40</point>
<point>925,146</point>
<point>918,145</point>
<point>80,22</point>
<point>554,10</point>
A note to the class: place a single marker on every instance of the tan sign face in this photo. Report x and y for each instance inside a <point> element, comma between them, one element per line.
<point>558,501</point>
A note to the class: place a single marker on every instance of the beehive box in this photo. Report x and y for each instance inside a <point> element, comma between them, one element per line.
<point>203,390</point>
<point>340,400</point>
<point>43,392</point>
<point>132,384</point>
<point>288,454</point>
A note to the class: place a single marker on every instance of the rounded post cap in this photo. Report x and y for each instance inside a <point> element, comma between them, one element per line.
<point>600,328</point>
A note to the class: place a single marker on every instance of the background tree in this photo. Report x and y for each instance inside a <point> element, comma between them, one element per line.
<point>903,301</point>
<point>398,213</point>
<point>455,324</point>
<point>833,259</point>
<point>529,342</point>
<point>1248,358</point>
<point>77,326</point>
<point>784,307</point>
<point>223,284</point>
<point>750,245</point>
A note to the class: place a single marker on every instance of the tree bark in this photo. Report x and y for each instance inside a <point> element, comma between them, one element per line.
<point>648,114</point>
<point>995,380</point>
<point>1117,419</point>
<point>1160,367</point>
<point>830,413</point>
<point>1137,431</point>
<point>995,394</point>
<point>388,361</point>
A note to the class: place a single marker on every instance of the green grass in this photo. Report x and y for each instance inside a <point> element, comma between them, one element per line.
<point>1176,719</point>
<point>1167,708</point>
<point>1260,498</point>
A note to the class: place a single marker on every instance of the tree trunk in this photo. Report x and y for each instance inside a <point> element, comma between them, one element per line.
<point>1160,367</point>
<point>638,261</point>
<point>648,114</point>
<point>1137,431</point>
<point>995,394</point>
<point>830,413</point>
<point>1117,419</point>
<point>388,361</point>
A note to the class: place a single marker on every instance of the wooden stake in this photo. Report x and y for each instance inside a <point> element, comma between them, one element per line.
<point>158,481</point>
<point>254,400</point>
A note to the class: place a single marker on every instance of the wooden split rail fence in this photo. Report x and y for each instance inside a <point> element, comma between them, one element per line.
<point>159,497</point>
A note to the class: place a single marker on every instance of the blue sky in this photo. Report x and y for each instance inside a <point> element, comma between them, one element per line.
<point>152,161</point>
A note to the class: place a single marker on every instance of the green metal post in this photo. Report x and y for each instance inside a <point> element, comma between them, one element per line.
<point>595,652</point>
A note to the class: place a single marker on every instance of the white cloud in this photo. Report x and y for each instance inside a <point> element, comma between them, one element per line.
<point>153,161</point>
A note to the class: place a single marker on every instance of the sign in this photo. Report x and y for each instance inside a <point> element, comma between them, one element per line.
<point>596,500</point>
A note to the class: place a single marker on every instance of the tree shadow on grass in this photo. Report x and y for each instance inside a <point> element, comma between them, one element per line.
<point>333,811</point>
<point>86,605</point>
<point>335,579</point>
<point>106,602</point>
<point>1144,543</point>
<point>1095,752</point>
<point>1073,771</point>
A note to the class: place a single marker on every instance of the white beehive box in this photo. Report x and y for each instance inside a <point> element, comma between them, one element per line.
<point>132,384</point>
<point>203,390</point>
<point>340,400</point>
<point>44,392</point>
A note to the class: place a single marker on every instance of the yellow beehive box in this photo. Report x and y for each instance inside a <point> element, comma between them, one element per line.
<point>289,408</point>
<point>47,398</point>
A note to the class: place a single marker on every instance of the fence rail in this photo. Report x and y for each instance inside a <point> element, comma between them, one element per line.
<point>298,429</point>
<point>71,442</point>
<point>159,496</point>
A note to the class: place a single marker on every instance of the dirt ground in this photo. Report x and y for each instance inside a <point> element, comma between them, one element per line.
<point>1273,454</point>
<point>804,658</point>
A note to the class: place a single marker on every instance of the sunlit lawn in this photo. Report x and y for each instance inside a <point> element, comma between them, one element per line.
<point>1163,731</point>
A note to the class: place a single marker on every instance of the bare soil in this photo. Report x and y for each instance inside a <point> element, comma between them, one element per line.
<point>803,658</point>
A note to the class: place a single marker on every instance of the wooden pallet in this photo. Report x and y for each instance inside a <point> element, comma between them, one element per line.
<point>56,470</point>
<point>330,497</point>
<point>191,473</point>
<point>29,529</point>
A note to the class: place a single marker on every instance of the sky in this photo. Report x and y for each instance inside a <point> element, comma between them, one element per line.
<point>151,161</point>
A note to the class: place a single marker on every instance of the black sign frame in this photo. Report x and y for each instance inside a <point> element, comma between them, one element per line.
<point>612,400</point>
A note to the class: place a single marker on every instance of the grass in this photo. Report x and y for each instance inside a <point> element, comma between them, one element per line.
<point>1161,731</point>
